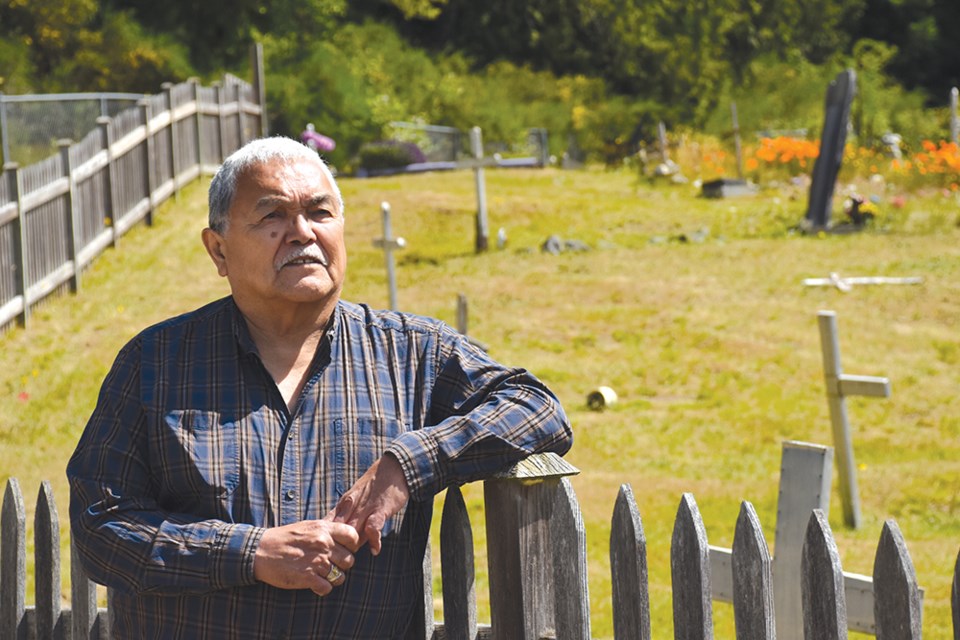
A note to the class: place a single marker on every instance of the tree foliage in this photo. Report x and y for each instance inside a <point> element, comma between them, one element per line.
<point>602,72</point>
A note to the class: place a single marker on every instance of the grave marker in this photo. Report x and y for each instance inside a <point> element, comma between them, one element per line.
<point>839,386</point>
<point>840,95</point>
<point>389,244</point>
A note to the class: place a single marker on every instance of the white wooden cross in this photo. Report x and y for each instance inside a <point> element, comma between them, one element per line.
<point>388,243</point>
<point>839,386</point>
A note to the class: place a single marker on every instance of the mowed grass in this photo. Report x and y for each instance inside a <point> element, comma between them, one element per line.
<point>712,346</point>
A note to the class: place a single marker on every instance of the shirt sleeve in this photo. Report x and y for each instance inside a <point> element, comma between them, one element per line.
<point>484,417</point>
<point>123,536</point>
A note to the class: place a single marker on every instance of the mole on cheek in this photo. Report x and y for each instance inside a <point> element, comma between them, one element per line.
<point>274,234</point>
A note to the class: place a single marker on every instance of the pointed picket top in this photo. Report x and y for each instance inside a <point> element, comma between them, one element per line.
<point>896,605</point>
<point>46,535</point>
<point>752,578</point>
<point>690,574</point>
<point>628,570</point>
<point>955,599</point>
<point>457,568</point>
<point>824,599</point>
<point>571,592</point>
<point>13,562</point>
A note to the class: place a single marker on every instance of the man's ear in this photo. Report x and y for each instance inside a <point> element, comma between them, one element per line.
<point>214,243</point>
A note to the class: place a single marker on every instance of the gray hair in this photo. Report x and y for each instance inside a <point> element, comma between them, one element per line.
<point>223,188</point>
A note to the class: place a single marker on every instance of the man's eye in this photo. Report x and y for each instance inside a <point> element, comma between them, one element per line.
<point>321,214</point>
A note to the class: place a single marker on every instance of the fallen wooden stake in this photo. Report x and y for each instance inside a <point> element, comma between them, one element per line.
<point>845,284</point>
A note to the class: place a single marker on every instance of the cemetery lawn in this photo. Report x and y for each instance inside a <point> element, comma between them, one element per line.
<point>692,310</point>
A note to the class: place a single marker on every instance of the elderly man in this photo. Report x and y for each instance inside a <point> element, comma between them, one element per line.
<point>264,466</point>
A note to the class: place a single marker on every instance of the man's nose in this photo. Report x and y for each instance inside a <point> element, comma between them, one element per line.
<point>301,229</point>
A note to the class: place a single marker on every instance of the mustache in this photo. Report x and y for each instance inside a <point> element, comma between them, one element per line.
<point>311,251</point>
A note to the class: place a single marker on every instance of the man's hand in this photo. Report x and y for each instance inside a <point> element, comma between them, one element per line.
<point>301,555</point>
<point>379,494</point>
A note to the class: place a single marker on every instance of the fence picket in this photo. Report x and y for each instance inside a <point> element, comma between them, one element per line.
<point>824,604</point>
<point>571,593</point>
<point>628,570</point>
<point>457,569</point>
<point>896,594</point>
<point>46,535</point>
<point>83,601</point>
<point>13,564</point>
<point>752,578</point>
<point>955,599</point>
<point>690,574</point>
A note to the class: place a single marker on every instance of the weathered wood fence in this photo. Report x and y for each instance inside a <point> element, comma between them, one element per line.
<point>536,544</point>
<point>57,215</point>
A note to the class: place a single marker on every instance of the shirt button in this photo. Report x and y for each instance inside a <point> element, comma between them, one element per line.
<point>289,494</point>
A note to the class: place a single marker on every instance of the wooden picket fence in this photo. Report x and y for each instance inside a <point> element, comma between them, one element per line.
<point>58,214</point>
<point>536,545</point>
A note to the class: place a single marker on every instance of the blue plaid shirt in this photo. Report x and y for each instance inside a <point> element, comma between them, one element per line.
<point>191,452</point>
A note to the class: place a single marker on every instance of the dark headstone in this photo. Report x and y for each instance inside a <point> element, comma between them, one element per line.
<point>727,187</point>
<point>832,140</point>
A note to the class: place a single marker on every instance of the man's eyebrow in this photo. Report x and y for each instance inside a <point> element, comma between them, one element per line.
<point>273,201</point>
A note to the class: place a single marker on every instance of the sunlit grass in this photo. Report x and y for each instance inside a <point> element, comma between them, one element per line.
<point>711,344</point>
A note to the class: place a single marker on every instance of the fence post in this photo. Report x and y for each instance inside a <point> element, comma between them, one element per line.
<point>149,175</point>
<point>241,138</point>
<point>752,578</point>
<point>690,574</point>
<point>73,214</point>
<point>12,171</point>
<point>457,569</point>
<point>518,508</point>
<point>172,136</point>
<point>4,141</point>
<point>46,535</point>
<point>195,86</point>
<point>897,605</point>
<point>109,198</point>
<point>13,564</point>
<point>482,229</point>
<point>628,569</point>
<point>954,123</point>
<point>259,86</point>
<point>824,600</point>
<point>221,138</point>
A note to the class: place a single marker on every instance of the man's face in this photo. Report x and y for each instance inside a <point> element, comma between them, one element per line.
<point>284,240</point>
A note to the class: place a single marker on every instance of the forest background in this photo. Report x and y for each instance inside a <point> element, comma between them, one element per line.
<point>597,74</point>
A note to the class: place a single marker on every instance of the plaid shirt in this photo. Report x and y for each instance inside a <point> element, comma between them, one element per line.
<point>191,452</point>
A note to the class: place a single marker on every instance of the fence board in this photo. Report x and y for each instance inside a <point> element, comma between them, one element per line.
<point>824,605</point>
<point>896,595</point>
<point>571,592</point>
<point>690,573</point>
<point>752,578</point>
<point>457,569</point>
<point>13,564</point>
<point>628,569</point>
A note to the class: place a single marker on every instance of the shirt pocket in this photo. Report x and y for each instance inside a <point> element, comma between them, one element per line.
<point>358,443</point>
<point>200,463</point>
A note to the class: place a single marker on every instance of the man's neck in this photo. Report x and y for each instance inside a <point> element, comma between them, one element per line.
<point>287,340</point>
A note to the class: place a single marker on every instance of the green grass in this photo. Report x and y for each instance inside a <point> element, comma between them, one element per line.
<point>712,347</point>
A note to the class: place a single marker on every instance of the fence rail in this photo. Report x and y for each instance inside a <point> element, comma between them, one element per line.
<point>58,214</point>
<point>538,571</point>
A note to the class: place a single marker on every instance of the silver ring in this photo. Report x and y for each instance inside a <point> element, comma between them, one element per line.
<point>335,574</point>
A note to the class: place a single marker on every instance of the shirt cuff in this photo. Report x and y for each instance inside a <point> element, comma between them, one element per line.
<point>418,460</point>
<point>234,550</point>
